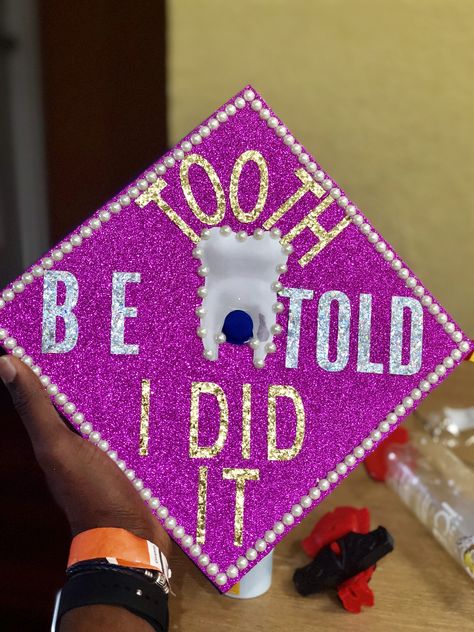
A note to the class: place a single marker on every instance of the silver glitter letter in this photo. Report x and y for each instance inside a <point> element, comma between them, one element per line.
<point>324,319</point>
<point>52,311</point>
<point>364,365</point>
<point>399,303</point>
<point>296,296</point>
<point>120,312</point>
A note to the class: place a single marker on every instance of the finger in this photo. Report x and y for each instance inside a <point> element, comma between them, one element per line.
<point>32,403</point>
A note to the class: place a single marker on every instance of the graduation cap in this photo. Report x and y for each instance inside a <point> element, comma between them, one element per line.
<point>234,333</point>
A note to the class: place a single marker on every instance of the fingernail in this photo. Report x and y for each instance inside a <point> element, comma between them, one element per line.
<point>7,370</point>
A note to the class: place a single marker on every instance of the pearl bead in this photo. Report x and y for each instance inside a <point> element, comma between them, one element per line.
<point>376,435</point>
<point>170,161</point>
<point>419,291</point>
<point>195,550</point>
<point>86,428</point>
<point>221,579</point>
<point>178,154</point>
<point>448,362</point>
<point>457,336</point>
<point>365,228</point>
<point>125,200</point>
<point>256,105</point>
<point>281,268</point>
<point>270,536</point>
<point>197,252</point>
<point>380,246</point>
<point>319,175</point>
<point>241,235</point>
<point>134,192</point>
<point>61,399</point>
<point>456,354</point>
<point>76,241</point>
<point>287,249</point>
<point>47,263</point>
<point>341,468</point>
<point>396,264</point>
<point>367,444</point>
<point>10,343</point>
<point>384,427</point>
<point>28,360</point>
<point>332,477</point>
<point>160,169</point>
<point>270,347</point>
<point>350,460</point>
<point>260,545</point>
<point>265,114</point>
<point>440,370</point>
<point>220,338</point>
<point>335,193</point>
<point>441,318</point>
<point>186,145</point>
<point>426,301</point>
<point>242,562</point>
<point>251,554</point>
<point>95,223</point>
<point>78,418</point>
<point>38,270</point>
<point>343,201</point>
<point>258,363</point>
<point>416,393</point>
<point>154,503</point>
<point>403,273</point>
<point>249,95</point>
<point>359,452</point>
<point>432,378</point>
<point>112,454</point>
<point>221,117</point>
<point>145,494</point>
<point>388,255</point>
<point>323,484</point>
<point>296,149</point>
<point>276,329</point>
<point>187,541</point>
<point>103,445</point>
<point>8,295</point>
<point>18,352</point>
<point>314,493</point>
<point>203,559</point>
<point>142,184</point>
<point>208,354</point>
<point>327,184</point>
<point>400,410</point>
<point>254,343</point>
<point>225,230</point>
<point>239,103</point>
<point>272,122</point>
<point>275,233</point>
<point>69,408</point>
<point>213,123</point>
<point>305,502</point>
<point>288,140</point>
<point>408,401</point>
<point>258,233</point>
<point>200,311</point>
<point>94,436</point>
<point>232,571</point>
<point>202,291</point>
<point>203,271</point>
<point>178,532</point>
<point>410,282</point>
<point>433,309</point>
<point>424,386</point>
<point>281,131</point>
<point>121,465</point>
<point>297,510</point>
<point>104,216</point>
<point>162,512</point>
<point>288,519</point>
<point>44,379</point>
<point>279,527</point>
<point>170,522</point>
<point>201,332</point>
<point>86,231</point>
<point>278,307</point>
<point>196,139</point>
<point>52,389</point>
<point>151,177</point>
<point>130,474</point>
<point>464,346</point>
<point>311,167</point>
<point>358,220</point>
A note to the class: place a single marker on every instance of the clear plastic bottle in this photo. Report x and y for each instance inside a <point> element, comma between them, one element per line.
<point>439,489</point>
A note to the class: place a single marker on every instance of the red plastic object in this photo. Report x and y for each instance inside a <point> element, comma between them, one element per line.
<point>334,525</point>
<point>376,462</point>
<point>355,592</point>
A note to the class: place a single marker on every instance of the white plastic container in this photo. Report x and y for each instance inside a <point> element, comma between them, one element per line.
<point>256,582</point>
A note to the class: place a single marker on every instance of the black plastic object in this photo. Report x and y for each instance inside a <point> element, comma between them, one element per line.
<point>238,327</point>
<point>343,559</point>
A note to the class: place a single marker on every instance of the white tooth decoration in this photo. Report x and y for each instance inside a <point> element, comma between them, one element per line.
<point>241,274</point>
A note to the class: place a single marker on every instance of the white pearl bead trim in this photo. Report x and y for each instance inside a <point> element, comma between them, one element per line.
<point>124,200</point>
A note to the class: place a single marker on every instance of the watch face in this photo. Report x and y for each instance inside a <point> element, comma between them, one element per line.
<point>234,333</point>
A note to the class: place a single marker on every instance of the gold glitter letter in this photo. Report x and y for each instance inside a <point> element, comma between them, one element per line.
<point>196,159</point>
<point>207,452</point>
<point>153,194</point>
<point>284,454</point>
<point>239,476</point>
<point>202,502</point>
<point>308,185</point>
<point>144,417</point>
<point>246,420</point>
<point>248,216</point>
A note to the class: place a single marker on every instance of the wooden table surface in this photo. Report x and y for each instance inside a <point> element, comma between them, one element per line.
<point>417,587</point>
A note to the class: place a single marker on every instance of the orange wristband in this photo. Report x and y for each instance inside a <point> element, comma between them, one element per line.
<point>117,546</point>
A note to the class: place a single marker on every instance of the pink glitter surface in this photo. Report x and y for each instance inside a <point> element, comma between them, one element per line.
<point>341,408</point>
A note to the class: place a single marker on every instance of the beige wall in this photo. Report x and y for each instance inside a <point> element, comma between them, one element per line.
<point>381,91</point>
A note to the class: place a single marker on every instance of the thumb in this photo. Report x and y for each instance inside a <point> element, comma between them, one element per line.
<point>39,416</point>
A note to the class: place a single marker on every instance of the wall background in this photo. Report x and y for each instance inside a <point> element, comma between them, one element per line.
<point>380,91</point>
